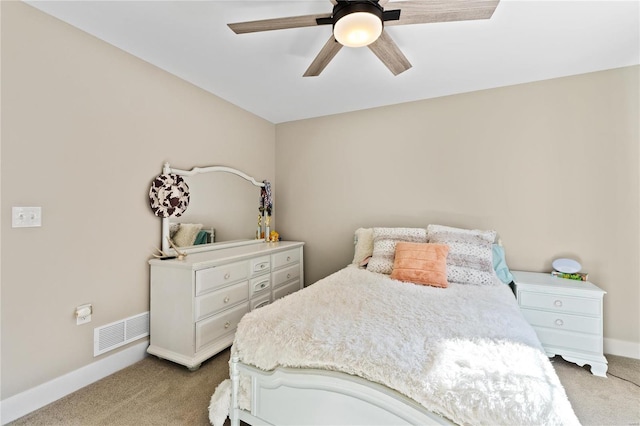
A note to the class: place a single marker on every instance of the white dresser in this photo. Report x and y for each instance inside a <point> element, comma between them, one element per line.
<point>566,315</point>
<point>197,303</point>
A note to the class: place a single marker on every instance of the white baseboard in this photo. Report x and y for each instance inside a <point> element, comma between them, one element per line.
<point>622,348</point>
<point>32,399</point>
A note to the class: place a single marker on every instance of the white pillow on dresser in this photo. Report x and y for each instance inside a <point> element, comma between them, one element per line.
<point>470,258</point>
<point>186,234</point>
<point>384,246</point>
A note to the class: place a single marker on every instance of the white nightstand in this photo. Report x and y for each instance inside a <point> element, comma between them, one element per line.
<point>566,315</point>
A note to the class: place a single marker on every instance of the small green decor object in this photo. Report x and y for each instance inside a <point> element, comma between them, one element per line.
<point>578,276</point>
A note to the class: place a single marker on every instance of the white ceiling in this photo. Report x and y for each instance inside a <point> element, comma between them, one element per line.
<point>524,41</point>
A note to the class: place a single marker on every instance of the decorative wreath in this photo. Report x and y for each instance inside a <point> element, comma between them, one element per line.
<point>169,195</point>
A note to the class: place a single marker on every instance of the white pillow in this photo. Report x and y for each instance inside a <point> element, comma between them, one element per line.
<point>364,245</point>
<point>186,234</point>
<point>384,246</point>
<point>470,258</point>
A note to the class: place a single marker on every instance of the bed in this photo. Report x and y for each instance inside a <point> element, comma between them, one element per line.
<point>363,347</point>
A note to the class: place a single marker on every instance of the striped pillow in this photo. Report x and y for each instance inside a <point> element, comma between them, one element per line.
<point>384,246</point>
<point>470,259</point>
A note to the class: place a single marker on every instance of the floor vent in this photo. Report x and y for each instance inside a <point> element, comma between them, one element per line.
<point>116,334</point>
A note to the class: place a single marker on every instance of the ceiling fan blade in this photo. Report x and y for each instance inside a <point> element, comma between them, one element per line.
<point>380,2</point>
<point>389,53</point>
<point>277,23</point>
<point>430,11</point>
<point>330,49</point>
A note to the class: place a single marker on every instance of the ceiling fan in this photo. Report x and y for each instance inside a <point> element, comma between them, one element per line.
<point>358,23</point>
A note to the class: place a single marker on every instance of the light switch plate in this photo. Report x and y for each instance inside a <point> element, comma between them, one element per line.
<point>25,217</point>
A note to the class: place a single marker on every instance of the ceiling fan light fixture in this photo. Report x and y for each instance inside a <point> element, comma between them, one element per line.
<point>357,25</point>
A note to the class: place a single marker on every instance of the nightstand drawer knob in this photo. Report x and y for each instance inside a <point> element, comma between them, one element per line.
<point>288,258</point>
<point>226,299</point>
<point>557,303</point>
<point>227,324</point>
<point>227,276</point>
<point>559,322</point>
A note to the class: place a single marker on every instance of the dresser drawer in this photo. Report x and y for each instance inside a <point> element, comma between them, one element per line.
<point>569,340</point>
<point>218,276</point>
<point>561,321</point>
<point>261,264</point>
<point>212,302</point>
<point>286,258</point>
<point>261,301</point>
<point>259,284</point>
<point>283,275</point>
<point>286,289</point>
<point>560,303</point>
<point>210,329</point>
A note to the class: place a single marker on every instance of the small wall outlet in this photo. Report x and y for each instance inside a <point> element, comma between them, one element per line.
<point>83,314</point>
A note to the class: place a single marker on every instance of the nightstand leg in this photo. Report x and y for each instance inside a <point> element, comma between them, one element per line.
<point>599,369</point>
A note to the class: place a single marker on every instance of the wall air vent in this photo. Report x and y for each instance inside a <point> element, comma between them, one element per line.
<point>119,333</point>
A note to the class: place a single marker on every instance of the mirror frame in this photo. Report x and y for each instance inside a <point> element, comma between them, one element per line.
<point>167,169</point>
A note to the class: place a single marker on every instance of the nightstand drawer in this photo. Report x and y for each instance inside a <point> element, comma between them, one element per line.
<point>569,340</point>
<point>559,303</point>
<point>560,321</point>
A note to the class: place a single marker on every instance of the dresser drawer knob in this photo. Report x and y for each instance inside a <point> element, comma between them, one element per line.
<point>559,322</point>
<point>288,258</point>
<point>288,276</point>
<point>557,303</point>
<point>227,275</point>
<point>227,324</point>
<point>226,299</point>
<point>262,265</point>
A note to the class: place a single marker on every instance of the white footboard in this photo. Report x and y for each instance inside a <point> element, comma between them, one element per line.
<point>287,396</point>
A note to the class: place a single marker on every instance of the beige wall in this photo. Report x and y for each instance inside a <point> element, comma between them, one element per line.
<point>552,166</point>
<point>85,129</point>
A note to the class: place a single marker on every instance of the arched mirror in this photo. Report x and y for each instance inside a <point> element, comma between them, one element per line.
<point>222,210</point>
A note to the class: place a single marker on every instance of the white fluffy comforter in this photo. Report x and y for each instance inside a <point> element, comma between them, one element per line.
<point>464,352</point>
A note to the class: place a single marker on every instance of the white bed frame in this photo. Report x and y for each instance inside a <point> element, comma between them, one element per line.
<point>289,396</point>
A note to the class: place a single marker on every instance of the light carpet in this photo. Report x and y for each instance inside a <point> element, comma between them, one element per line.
<point>157,392</point>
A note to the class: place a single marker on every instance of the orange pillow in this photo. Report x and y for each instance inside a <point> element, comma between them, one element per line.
<point>421,263</point>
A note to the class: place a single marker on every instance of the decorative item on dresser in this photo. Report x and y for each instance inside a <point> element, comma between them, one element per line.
<point>196,303</point>
<point>566,315</point>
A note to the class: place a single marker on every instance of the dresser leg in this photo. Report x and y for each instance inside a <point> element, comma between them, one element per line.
<point>194,367</point>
